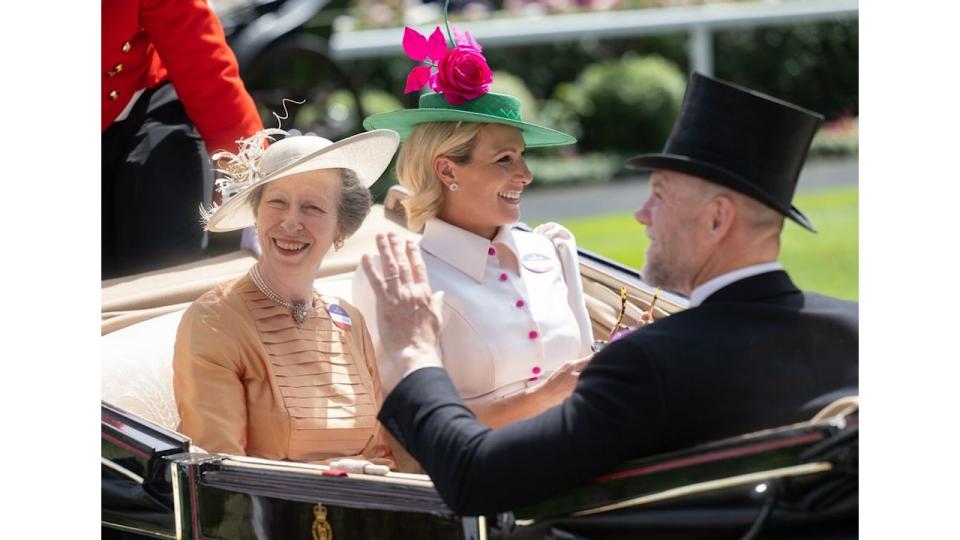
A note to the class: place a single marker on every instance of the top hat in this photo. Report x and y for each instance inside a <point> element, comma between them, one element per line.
<point>747,141</point>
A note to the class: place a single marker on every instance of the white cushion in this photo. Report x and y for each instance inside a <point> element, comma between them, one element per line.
<point>136,371</point>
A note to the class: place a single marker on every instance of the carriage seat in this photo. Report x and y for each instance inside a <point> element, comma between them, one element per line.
<point>136,369</point>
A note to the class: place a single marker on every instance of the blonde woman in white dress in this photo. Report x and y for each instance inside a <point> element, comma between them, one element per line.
<point>515,328</point>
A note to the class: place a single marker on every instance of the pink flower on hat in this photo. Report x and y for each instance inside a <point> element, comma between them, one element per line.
<point>464,39</point>
<point>420,48</point>
<point>462,72</point>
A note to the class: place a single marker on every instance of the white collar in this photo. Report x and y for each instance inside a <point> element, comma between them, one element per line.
<point>704,290</point>
<point>462,249</point>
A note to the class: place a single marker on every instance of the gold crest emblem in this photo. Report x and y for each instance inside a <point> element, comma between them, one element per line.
<point>321,529</point>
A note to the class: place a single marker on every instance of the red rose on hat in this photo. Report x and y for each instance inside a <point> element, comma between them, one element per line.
<point>462,74</point>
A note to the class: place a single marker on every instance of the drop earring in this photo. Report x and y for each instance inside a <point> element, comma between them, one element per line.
<point>453,186</point>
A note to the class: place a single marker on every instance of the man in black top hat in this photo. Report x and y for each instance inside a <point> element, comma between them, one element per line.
<point>751,352</point>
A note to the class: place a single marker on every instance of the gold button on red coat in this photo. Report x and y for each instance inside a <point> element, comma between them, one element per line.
<point>117,69</point>
<point>113,95</point>
<point>126,47</point>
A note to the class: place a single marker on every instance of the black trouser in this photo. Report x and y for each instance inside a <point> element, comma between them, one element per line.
<point>155,173</point>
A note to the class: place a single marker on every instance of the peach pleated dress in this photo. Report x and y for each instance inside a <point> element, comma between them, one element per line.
<point>249,380</point>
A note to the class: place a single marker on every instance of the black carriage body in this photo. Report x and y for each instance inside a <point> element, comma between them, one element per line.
<point>152,487</point>
<point>135,486</point>
<point>797,480</point>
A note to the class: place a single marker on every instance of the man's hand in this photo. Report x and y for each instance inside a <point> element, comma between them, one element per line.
<point>560,383</point>
<point>408,313</point>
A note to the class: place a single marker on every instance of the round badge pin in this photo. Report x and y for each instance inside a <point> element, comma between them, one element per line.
<point>537,262</point>
<point>339,317</point>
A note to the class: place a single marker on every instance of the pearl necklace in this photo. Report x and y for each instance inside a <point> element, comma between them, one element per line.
<point>298,310</point>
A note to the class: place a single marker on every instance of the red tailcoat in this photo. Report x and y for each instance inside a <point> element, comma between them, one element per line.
<point>144,43</point>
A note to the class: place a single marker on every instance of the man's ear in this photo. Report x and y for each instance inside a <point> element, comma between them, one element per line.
<point>445,169</point>
<point>722,214</point>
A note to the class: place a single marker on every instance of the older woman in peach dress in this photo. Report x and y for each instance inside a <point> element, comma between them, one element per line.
<point>265,365</point>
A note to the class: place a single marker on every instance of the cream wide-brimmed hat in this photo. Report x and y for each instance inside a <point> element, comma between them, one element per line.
<point>367,155</point>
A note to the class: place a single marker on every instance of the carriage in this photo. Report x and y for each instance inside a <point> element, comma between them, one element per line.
<point>790,481</point>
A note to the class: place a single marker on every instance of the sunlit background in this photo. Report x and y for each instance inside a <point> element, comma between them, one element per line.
<point>610,72</point>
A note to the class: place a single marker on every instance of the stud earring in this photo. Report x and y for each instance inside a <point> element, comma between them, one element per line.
<point>338,243</point>
<point>453,186</point>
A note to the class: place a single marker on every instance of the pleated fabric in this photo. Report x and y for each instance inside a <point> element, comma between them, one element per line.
<point>251,381</point>
<point>324,384</point>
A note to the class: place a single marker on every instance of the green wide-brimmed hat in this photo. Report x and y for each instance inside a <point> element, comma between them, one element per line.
<point>489,108</point>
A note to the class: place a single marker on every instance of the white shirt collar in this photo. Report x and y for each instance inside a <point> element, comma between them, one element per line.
<point>704,290</point>
<point>462,249</point>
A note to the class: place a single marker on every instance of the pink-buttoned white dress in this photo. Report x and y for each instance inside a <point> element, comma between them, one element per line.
<point>513,308</point>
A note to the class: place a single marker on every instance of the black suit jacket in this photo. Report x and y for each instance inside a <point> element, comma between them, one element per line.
<point>756,354</point>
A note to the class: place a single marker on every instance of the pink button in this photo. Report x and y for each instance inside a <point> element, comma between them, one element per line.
<point>534,334</point>
<point>536,370</point>
<point>520,303</point>
<point>491,250</point>
<point>534,379</point>
<point>503,277</point>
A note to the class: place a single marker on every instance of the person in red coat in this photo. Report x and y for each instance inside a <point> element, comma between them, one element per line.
<point>171,95</point>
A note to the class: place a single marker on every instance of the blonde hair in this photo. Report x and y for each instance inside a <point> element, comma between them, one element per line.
<point>454,140</point>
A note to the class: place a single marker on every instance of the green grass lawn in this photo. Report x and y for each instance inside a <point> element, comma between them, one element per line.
<point>825,262</point>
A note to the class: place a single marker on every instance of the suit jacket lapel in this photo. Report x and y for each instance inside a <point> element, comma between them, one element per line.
<point>755,288</point>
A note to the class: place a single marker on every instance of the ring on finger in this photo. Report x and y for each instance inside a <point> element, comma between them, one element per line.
<point>395,275</point>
